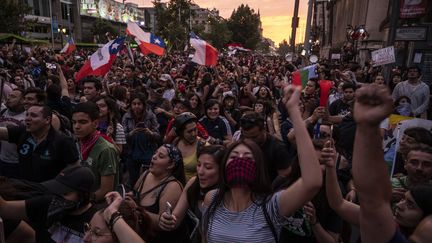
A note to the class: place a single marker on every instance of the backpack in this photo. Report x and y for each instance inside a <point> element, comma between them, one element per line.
<point>65,124</point>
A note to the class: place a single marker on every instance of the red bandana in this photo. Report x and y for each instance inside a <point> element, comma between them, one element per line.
<point>87,145</point>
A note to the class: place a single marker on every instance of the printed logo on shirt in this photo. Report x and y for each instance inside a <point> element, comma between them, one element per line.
<point>88,162</point>
<point>46,155</point>
<point>25,149</point>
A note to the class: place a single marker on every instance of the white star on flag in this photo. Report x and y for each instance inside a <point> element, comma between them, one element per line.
<point>157,41</point>
<point>115,45</point>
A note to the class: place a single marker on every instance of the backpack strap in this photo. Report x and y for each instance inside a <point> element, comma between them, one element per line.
<point>3,111</point>
<point>269,222</point>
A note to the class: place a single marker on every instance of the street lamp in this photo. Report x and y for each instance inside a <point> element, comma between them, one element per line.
<point>353,36</point>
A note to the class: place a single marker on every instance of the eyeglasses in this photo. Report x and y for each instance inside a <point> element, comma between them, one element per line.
<point>94,233</point>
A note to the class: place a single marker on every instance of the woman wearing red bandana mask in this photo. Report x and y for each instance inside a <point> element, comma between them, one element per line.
<point>243,209</point>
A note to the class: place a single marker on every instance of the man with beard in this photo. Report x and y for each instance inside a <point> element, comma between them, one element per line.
<point>416,90</point>
<point>14,115</point>
<point>42,151</point>
<point>418,165</point>
<point>160,106</point>
<point>342,107</point>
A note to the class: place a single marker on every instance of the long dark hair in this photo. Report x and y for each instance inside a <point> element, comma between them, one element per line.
<point>198,110</point>
<point>143,99</point>
<point>260,189</point>
<point>113,113</point>
<point>137,218</point>
<point>195,192</point>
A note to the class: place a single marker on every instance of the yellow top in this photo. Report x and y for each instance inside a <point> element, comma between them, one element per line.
<point>190,163</point>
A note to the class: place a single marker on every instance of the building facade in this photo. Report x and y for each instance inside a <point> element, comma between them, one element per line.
<point>413,30</point>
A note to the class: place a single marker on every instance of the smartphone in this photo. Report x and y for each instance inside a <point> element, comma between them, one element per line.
<point>168,208</point>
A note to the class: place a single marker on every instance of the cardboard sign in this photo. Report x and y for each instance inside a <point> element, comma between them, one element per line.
<point>335,56</point>
<point>383,56</point>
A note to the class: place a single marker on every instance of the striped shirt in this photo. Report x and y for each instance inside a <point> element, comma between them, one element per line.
<point>249,225</point>
<point>120,137</point>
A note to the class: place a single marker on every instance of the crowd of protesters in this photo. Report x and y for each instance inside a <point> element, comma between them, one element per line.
<point>161,149</point>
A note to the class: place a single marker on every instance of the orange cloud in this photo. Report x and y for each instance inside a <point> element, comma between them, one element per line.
<point>278,28</point>
<point>275,14</point>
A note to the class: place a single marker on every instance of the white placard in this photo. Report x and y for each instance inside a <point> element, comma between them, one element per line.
<point>335,56</point>
<point>417,58</point>
<point>383,56</point>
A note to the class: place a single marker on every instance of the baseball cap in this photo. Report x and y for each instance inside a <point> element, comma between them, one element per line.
<point>165,77</point>
<point>70,179</point>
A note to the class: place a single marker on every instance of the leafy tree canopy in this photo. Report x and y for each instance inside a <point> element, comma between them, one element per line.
<point>244,24</point>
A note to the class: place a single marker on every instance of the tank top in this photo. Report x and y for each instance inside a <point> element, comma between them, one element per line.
<point>190,163</point>
<point>178,235</point>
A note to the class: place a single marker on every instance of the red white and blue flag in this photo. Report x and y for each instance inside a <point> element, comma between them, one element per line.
<point>205,54</point>
<point>69,47</point>
<point>101,61</point>
<point>147,42</point>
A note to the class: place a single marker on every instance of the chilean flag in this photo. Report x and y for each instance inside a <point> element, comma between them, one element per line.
<point>101,61</point>
<point>69,47</point>
<point>205,54</point>
<point>147,42</point>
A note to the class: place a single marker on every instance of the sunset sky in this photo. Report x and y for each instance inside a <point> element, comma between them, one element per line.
<point>275,14</point>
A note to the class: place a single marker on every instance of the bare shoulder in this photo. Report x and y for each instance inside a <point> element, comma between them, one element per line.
<point>209,197</point>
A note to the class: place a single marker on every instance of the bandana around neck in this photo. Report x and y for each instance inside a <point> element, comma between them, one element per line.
<point>87,144</point>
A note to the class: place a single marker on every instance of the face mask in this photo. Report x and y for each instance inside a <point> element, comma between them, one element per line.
<point>404,109</point>
<point>241,172</point>
<point>59,207</point>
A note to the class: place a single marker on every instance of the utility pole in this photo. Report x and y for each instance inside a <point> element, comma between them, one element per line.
<point>52,26</point>
<point>69,20</point>
<point>294,24</point>
<point>394,19</point>
<point>307,44</point>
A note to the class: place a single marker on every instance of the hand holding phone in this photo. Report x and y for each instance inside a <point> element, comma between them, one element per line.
<point>168,208</point>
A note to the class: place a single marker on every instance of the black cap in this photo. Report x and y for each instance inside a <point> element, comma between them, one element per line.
<point>182,119</point>
<point>74,178</point>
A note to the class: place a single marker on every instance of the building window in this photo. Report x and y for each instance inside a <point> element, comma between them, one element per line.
<point>36,7</point>
<point>64,12</point>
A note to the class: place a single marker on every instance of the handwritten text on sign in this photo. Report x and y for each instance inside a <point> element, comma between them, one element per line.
<point>383,56</point>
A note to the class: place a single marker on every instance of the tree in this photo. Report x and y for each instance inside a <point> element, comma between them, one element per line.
<point>219,34</point>
<point>12,16</point>
<point>101,27</point>
<point>284,48</point>
<point>173,21</point>
<point>244,24</point>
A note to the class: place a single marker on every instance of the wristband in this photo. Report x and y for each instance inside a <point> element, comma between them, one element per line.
<point>115,220</point>
<point>114,217</point>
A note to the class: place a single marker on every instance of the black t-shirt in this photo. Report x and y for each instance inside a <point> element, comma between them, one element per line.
<point>42,162</point>
<point>276,155</point>
<point>339,108</point>
<point>63,227</point>
<point>217,128</point>
<point>162,119</point>
<point>298,228</point>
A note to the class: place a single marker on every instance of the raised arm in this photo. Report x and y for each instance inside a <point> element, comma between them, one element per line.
<point>63,82</point>
<point>348,211</point>
<point>13,209</point>
<point>122,230</point>
<point>170,222</point>
<point>305,188</point>
<point>4,134</point>
<point>371,179</point>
